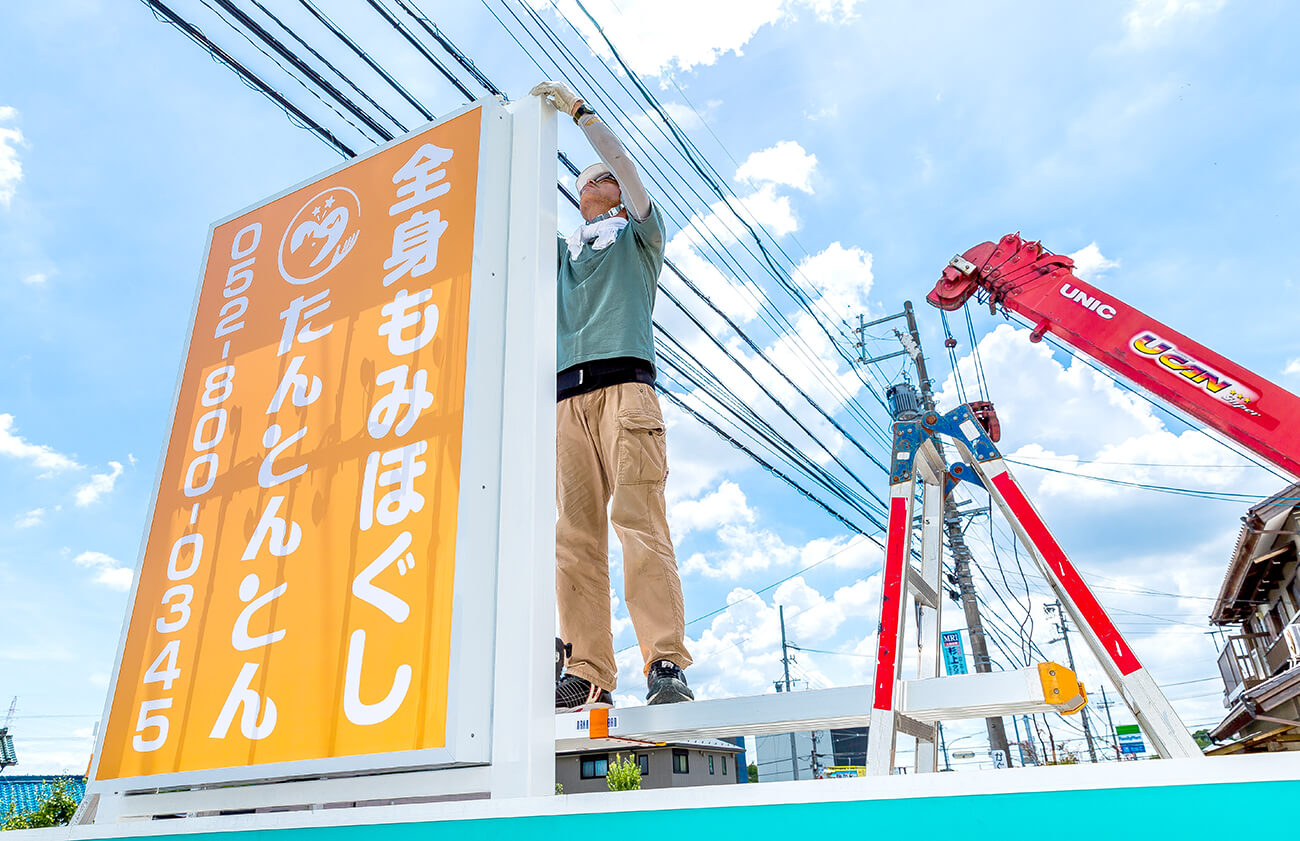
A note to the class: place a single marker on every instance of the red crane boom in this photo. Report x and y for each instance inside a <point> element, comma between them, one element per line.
<point>1022,277</point>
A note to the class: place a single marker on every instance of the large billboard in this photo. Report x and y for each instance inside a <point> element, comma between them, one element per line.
<point>295,600</point>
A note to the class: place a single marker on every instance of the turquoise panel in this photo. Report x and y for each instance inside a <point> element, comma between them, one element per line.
<point>1185,813</point>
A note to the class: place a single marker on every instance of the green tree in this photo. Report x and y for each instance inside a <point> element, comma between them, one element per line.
<point>57,806</point>
<point>753,773</point>
<point>1202,738</point>
<point>624,774</point>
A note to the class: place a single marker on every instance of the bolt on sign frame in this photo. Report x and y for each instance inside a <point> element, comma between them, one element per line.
<point>897,704</point>
<point>326,585</point>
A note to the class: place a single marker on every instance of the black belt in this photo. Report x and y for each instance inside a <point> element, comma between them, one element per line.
<point>599,373</point>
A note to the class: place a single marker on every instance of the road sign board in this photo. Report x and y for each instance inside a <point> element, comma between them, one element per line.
<point>954,658</point>
<point>963,754</point>
<point>1129,737</point>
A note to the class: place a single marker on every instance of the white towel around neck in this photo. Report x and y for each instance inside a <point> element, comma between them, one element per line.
<point>600,234</point>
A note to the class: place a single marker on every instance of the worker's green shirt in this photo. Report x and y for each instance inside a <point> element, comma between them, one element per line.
<point>606,297</point>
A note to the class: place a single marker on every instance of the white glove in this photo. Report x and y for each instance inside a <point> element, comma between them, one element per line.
<point>559,95</point>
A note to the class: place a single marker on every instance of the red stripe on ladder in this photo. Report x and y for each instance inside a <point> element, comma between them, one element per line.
<point>1068,577</point>
<point>891,599</point>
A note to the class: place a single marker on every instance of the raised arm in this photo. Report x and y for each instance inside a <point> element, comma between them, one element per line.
<point>607,145</point>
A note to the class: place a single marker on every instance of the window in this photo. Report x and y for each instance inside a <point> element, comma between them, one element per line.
<point>1275,622</point>
<point>710,763</point>
<point>725,762</point>
<point>594,766</point>
<point>681,764</point>
<point>643,760</point>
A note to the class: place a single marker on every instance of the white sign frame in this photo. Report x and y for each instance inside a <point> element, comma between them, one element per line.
<point>500,657</point>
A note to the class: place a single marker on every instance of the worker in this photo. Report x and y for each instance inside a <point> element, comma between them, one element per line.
<point>609,436</point>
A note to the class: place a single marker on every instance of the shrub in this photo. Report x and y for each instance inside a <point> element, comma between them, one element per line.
<point>624,774</point>
<point>56,809</point>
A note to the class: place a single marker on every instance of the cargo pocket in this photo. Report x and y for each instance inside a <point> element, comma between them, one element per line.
<point>642,449</point>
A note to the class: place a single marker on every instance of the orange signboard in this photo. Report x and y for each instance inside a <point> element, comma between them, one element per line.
<point>294,599</point>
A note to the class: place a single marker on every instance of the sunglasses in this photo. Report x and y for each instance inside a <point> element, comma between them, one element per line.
<point>604,176</point>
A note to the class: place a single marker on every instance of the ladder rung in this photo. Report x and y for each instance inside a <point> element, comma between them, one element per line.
<point>1048,687</point>
<point>753,715</point>
<point>921,589</point>
<point>915,729</point>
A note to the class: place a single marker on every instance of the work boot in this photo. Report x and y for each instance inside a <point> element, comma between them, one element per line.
<point>575,694</point>
<point>667,684</point>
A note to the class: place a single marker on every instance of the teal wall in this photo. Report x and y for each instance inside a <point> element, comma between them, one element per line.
<point>1181,813</point>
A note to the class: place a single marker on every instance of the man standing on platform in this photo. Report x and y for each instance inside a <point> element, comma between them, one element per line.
<point>610,431</point>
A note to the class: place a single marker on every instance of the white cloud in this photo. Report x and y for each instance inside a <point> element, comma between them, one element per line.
<point>11,169</point>
<point>739,653</point>
<point>771,211</point>
<point>1090,263</point>
<point>655,36</point>
<point>32,518</point>
<point>743,551</point>
<point>685,116</point>
<point>723,506</point>
<point>722,225</point>
<point>111,573</point>
<point>1147,17</point>
<point>785,163</point>
<point>843,276</point>
<point>15,446</point>
<point>1024,378</point>
<point>1292,367</point>
<point>37,279</point>
<point>99,484</point>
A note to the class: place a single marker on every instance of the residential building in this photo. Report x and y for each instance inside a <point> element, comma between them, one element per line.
<point>1259,602</point>
<point>692,762</point>
<point>814,753</point>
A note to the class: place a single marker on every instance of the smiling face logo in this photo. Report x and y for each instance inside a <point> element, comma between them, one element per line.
<point>321,234</point>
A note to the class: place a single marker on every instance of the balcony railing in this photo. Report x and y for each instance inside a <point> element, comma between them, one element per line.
<point>1242,664</point>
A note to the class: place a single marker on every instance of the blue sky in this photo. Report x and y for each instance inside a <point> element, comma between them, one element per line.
<point>1156,139</point>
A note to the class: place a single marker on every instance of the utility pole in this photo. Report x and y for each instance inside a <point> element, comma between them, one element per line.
<point>952,518</point>
<point>1105,703</point>
<point>785,661</point>
<point>1069,653</point>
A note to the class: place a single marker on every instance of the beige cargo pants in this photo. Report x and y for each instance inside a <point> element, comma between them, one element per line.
<point>610,446</point>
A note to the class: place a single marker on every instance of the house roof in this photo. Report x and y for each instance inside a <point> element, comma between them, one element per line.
<point>1259,700</point>
<point>1257,560</point>
<point>598,745</point>
<point>24,792</point>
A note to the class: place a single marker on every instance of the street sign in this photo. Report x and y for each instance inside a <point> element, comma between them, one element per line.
<point>999,758</point>
<point>954,658</point>
<point>963,754</point>
<point>1129,737</point>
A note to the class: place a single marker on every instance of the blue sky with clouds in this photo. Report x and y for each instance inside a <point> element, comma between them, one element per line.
<point>1157,139</point>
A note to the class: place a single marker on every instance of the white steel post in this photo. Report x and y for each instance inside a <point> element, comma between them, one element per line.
<point>928,617</point>
<point>523,725</point>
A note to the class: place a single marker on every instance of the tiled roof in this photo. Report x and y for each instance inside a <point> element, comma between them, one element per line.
<point>25,791</point>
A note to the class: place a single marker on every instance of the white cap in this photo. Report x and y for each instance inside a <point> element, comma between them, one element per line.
<point>588,174</point>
